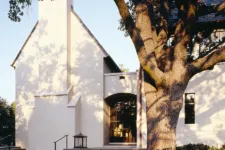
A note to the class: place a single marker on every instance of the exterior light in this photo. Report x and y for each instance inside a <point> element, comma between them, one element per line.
<point>80,141</point>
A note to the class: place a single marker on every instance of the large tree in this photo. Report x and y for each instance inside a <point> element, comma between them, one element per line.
<point>16,8</point>
<point>7,123</point>
<point>169,67</point>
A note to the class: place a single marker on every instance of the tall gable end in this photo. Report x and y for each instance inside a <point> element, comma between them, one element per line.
<point>89,33</point>
<point>24,45</point>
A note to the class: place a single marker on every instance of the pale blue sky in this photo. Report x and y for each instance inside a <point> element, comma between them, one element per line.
<point>100,16</point>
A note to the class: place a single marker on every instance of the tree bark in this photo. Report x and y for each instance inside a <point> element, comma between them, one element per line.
<point>167,68</point>
<point>162,110</point>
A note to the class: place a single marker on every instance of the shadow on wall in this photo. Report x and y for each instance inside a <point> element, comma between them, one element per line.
<point>209,125</point>
<point>39,69</point>
<point>43,68</point>
<point>124,83</point>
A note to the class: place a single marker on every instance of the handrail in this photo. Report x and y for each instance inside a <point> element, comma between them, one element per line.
<point>5,137</point>
<point>61,139</point>
<point>8,136</point>
<point>8,147</point>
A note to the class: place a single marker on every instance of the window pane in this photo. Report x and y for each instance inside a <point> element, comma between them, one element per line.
<point>189,98</point>
<point>189,108</point>
<point>189,118</point>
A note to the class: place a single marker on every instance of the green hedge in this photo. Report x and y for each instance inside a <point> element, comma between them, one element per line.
<point>199,147</point>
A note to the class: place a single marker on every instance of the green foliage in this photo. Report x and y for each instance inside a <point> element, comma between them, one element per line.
<point>16,8</point>
<point>123,69</point>
<point>131,6</point>
<point>156,12</point>
<point>7,123</point>
<point>197,147</point>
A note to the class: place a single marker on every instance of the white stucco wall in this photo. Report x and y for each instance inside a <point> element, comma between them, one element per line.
<point>50,121</point>
<point>209,90</point>
<point>61,53</point>
<point>87,77</point>
<point>114,85</point>
<point>26,75</point>
<point>53,44</point>
<point>42,68</point>
<point>209,125</point>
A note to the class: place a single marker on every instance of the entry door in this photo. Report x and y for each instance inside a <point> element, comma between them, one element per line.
<point>123,121</point>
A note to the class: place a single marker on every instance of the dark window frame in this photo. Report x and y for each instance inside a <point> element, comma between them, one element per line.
<point>189,108</point>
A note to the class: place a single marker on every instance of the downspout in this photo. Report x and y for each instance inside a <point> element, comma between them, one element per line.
<point>140,109</point>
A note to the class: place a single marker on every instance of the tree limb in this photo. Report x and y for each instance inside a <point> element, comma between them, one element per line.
<point>145,60</point>
<point>221,7</point>
<point>205,10</point>
<point>183,35</point>
<point>163,33</point>
<point>143,24</point>
<point>207,62</point>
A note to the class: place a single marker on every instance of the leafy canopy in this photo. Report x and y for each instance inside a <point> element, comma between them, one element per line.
<point>16,8</point>
<point>7,123</point>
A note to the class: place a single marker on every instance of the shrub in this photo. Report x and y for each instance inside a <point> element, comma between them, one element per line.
<point>199,147</point>
<point>193,147</point>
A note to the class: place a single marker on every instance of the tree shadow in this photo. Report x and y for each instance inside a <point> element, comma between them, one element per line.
<point>209,92</point>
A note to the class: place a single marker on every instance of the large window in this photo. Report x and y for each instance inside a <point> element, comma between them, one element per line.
<point>189,108</point>
<point>123,115</point>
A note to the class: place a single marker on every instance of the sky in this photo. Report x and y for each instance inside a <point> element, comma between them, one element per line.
<point>100,16</point>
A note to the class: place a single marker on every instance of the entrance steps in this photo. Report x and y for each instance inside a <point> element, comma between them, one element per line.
<point>110,148</point>
<point>103,148</point>
<point>11,148</point>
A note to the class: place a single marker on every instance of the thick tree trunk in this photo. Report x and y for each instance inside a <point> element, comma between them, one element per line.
<point>163,107</point>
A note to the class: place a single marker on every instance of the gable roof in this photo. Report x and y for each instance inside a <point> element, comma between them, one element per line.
<point>17,56</point>
<point>89,32</point>
<point>110,61</point>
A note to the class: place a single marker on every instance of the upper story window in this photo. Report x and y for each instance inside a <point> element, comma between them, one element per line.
<point>189,108</point>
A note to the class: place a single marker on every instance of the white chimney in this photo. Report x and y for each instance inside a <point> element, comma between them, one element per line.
<point>54,40</point>
<point>53,9</point>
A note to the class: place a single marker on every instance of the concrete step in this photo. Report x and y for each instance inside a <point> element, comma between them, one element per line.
<point>11,148</point>
<point>109,148</point>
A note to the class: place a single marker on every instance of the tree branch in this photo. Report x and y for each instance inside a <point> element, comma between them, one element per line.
<point>143,24</point>
<point>163,33</point>
<point>154,44</point>
<point>183,35</point>
<point>145,60</point>
<point>207,62</point>
<point>221,7</point>
<point>205,10</point>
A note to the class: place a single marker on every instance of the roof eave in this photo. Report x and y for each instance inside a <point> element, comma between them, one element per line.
<point>17,56</point>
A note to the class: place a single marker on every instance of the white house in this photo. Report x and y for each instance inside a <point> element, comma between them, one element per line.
<point>66,83</point>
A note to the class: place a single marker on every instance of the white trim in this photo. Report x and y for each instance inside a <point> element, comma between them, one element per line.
<point>221,63</point>
<point>122,143</point>
<point>74,101</point>
<point>69,89</point>
<point>47,93</point>
<point>120,73</point>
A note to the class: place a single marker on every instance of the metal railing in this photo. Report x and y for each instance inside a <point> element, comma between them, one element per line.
<point>2,139</point>
<point>9,147</point>
<point>5,137</point>
<point>65,136</point>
